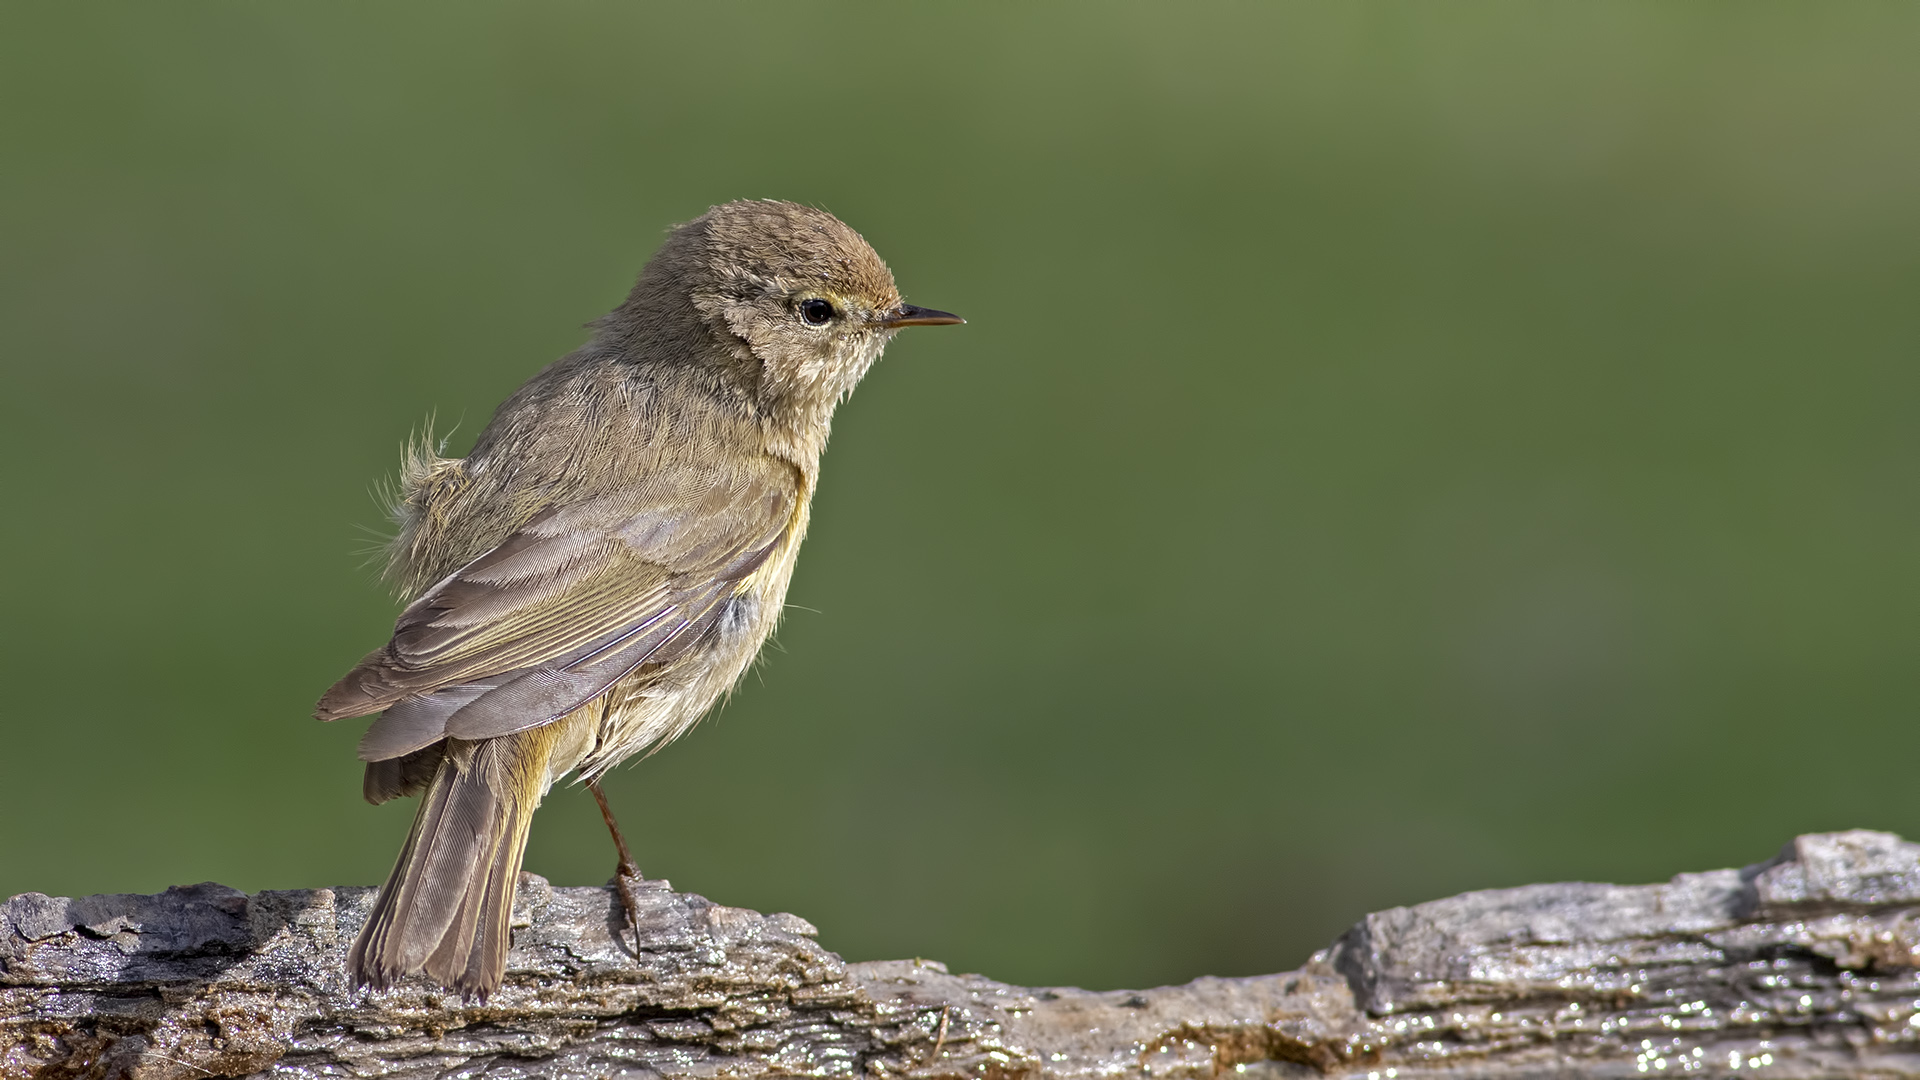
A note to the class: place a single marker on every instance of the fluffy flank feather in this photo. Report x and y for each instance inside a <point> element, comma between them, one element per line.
<point>426,483</point>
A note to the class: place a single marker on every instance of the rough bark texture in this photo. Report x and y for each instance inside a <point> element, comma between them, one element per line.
<point>1803,966</point>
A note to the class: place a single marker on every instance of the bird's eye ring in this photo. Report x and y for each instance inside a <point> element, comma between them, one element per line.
<point>816,312</point>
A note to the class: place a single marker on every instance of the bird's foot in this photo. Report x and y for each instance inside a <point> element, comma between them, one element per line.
<point>626,877</point>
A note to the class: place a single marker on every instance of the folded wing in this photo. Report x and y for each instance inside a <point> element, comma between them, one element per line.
<point>566,606</point>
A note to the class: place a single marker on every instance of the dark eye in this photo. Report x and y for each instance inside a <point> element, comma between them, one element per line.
<point>816,312</point>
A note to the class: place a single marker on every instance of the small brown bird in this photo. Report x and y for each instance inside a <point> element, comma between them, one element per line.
<point>605,563</point>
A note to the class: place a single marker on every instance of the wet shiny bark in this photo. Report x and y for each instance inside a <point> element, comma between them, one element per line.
<point>1808,965</point>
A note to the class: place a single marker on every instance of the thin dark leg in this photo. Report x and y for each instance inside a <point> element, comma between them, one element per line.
<point>626,873</point>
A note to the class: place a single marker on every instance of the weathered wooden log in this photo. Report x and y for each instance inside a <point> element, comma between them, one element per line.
<point>1808,965</point>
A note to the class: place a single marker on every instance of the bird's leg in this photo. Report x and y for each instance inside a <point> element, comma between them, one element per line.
<point>626,873</point>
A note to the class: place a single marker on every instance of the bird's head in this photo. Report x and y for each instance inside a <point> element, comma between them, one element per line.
<point>784,295</point>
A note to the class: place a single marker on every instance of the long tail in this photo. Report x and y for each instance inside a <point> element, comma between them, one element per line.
<point>445,907</point>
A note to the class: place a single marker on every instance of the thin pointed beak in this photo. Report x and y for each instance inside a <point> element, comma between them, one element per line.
<point>909,315</point>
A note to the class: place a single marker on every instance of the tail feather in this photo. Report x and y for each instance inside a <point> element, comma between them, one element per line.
<point>473,958</point>
<point>407,775</point>
<point>445,908</point>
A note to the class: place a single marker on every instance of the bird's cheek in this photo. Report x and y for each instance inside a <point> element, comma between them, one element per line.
<point>750,325</point>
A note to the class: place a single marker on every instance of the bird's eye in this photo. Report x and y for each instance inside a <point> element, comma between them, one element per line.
<point>816,312</point>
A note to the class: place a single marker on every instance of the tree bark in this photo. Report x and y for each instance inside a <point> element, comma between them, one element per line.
<point>1808,965</point>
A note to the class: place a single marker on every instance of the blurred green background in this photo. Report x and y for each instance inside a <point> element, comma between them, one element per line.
<point>1396,449</point>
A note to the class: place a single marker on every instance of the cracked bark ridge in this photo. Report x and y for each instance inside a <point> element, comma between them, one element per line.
<point>1807,965</point>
